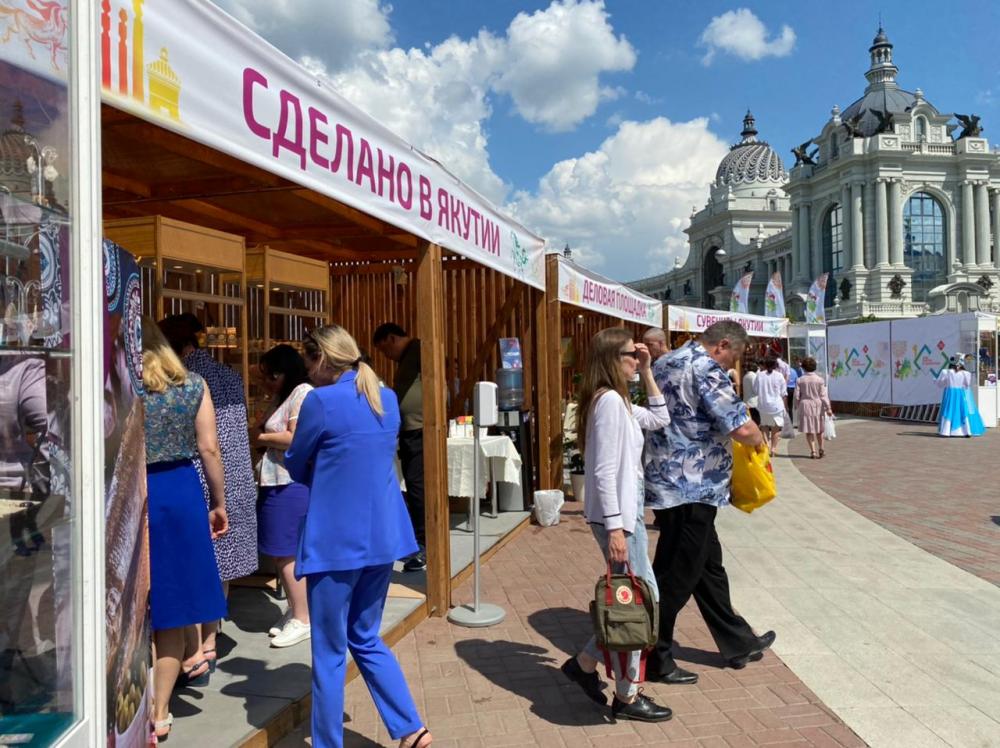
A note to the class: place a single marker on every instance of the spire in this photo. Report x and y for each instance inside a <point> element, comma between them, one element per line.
<point>749,133</point>
<point>883,70</point>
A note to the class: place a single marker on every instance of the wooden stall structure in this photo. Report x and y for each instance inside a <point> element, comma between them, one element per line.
<point>579,304</point>
<point>286,295</point>
<point>229,135</point>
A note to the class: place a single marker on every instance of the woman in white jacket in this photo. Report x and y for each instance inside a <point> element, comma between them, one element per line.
<point>609,430</point>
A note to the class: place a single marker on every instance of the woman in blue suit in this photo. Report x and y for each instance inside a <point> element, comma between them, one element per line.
<point>355,528</point>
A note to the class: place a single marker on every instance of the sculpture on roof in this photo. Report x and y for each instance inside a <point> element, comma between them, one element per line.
<point>970,126</point>
<point>885,120</point>
<point>853,126</point>
<point>802,155</point>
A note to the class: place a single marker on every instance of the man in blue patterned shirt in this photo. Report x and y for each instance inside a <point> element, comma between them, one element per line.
<point>688,470</point>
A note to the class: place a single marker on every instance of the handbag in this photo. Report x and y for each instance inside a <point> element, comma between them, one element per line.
<point>829,429</point>
<point>788,427</point>
<point>753,482</point>
<point>624,611</point>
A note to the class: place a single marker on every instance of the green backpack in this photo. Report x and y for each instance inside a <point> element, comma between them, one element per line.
<point>624,611</point>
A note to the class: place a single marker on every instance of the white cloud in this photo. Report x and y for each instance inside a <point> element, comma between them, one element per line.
<point>740,33</point>
<point>554,59</point>
<point>335,31</point>
<point>623,207</point>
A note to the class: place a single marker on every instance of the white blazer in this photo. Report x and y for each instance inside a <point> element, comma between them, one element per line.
<point>613,478</point>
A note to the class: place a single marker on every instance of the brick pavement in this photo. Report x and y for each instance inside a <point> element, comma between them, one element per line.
<point>501,686</point>
<point>939,494</point>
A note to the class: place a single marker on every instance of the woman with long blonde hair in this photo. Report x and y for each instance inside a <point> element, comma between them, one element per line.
<point>185,588</point>
<point>355,528</point>
<point>609,431</point>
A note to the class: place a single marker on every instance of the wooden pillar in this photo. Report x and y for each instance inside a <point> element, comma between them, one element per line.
<point>553,322</point>
<point>546,356</point>
<point>430,330</point>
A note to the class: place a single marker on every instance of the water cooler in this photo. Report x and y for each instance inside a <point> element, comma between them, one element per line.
<point>516,424</point>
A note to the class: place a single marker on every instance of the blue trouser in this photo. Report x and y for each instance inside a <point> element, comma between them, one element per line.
<point>345,608</point>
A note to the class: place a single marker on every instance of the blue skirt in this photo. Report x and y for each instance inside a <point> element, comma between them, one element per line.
<point>976,427</point>
<point>184,578</point>
<point>954,417</point>
<point>280,512</point>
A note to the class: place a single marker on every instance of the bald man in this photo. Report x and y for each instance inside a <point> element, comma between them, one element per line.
<point>656,340</point>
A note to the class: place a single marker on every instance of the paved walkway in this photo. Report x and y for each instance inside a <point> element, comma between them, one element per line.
<point>940,494</point>
<point>501,686</point>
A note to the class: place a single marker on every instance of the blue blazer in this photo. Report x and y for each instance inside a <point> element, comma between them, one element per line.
<point>344,453</point>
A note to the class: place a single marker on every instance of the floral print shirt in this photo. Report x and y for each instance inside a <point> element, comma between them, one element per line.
<point>691,461</point>
<point>170,417</point>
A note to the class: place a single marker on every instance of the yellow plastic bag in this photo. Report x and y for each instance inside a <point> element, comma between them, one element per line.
<point>753,479</point>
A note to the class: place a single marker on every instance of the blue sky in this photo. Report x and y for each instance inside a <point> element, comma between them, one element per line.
<point>599,124</point>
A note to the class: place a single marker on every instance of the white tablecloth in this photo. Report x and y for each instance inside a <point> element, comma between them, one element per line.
<point>504,462</point>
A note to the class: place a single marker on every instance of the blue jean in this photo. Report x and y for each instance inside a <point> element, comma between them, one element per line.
<point>626,683</point>
<point>346,612</point>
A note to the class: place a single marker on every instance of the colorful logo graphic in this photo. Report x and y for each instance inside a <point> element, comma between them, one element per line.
<point>42,22</point>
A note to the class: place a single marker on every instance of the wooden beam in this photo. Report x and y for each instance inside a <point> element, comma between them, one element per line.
<point>430,330</point>
<point>553,323</point>
<point>490,342</point>
<point>124,183</point>
<point>358,217</point>
<point>239,220</point>
<point>546,355</point>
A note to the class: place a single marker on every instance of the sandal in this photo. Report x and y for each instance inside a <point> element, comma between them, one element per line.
<point>163,724</point>
<point>194,676</point>
<point>424,733</point>
<point>211,657</point>
<point>821,453</point>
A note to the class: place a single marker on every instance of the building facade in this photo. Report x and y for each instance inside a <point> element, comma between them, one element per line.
<point>896,202</point>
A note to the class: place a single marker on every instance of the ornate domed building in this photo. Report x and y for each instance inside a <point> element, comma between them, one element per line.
<point>892,198</point>
<point>747,206</point>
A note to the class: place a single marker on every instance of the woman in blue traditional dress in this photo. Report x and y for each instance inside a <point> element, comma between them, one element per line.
<point>185,588</point>
<point>954,418</point>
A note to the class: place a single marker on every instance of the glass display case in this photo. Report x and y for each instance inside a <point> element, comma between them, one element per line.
<point>190,268</point>
<point>287,295</point>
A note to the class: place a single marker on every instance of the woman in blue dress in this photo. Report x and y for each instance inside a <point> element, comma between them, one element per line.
<point>356,526</point>
<point>185,588</point>
<point>957,406</point>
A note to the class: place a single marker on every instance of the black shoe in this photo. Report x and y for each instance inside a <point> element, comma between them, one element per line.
<point>416,562</point>
<point>643,709</point>
<point>757,653</point>
<point>591,683</point>
<point>676,677</point>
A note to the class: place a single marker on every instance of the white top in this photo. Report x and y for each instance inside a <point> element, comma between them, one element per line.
<point>750,389</point>
<point>272,464</point>
<point>771,389</point>
<point>960,379</point>
<point>613,478</point>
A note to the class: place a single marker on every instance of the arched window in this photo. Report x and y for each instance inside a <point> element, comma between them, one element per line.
<point>924,244</point>
<point>833,249</point>
<point>919,129</point>
<point>713,276</point>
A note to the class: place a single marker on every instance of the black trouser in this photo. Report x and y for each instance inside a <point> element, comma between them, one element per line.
<point>791,400</point>
<point>411,458</point>
<point>688,562</point>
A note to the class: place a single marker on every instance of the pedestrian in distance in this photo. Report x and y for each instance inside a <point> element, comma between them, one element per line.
<point>655,339</point>
<point>813,405</point>
<point>609,430</point>
<point>355,528</point>
<point>688,475</point>
<point>749,391</point>
<point>770,387</point>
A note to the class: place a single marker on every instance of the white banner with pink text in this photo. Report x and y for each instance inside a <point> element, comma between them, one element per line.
<point>187,66</point>
<point>691,319</point>
<point>583,288</point>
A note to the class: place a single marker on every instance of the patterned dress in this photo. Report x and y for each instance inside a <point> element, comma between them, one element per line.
<point>236,551</point>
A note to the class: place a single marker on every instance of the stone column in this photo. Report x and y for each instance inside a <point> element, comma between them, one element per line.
<point>846,232</point>
<point>982,225</point>
<point>881,225</point>
<point>816,245</point>
<point>857,227</point>
<point>802,255</point>
<point>968,225</point>
<point>896,222</point>
<point>996,227</point>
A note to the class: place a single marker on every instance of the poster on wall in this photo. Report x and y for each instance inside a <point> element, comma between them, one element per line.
<point>126,539</point>
<point>920,351</point>
<point>860,365</point>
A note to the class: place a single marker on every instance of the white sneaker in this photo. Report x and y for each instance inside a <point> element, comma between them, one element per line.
<point>280,623</point>
<point>294,632</point>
